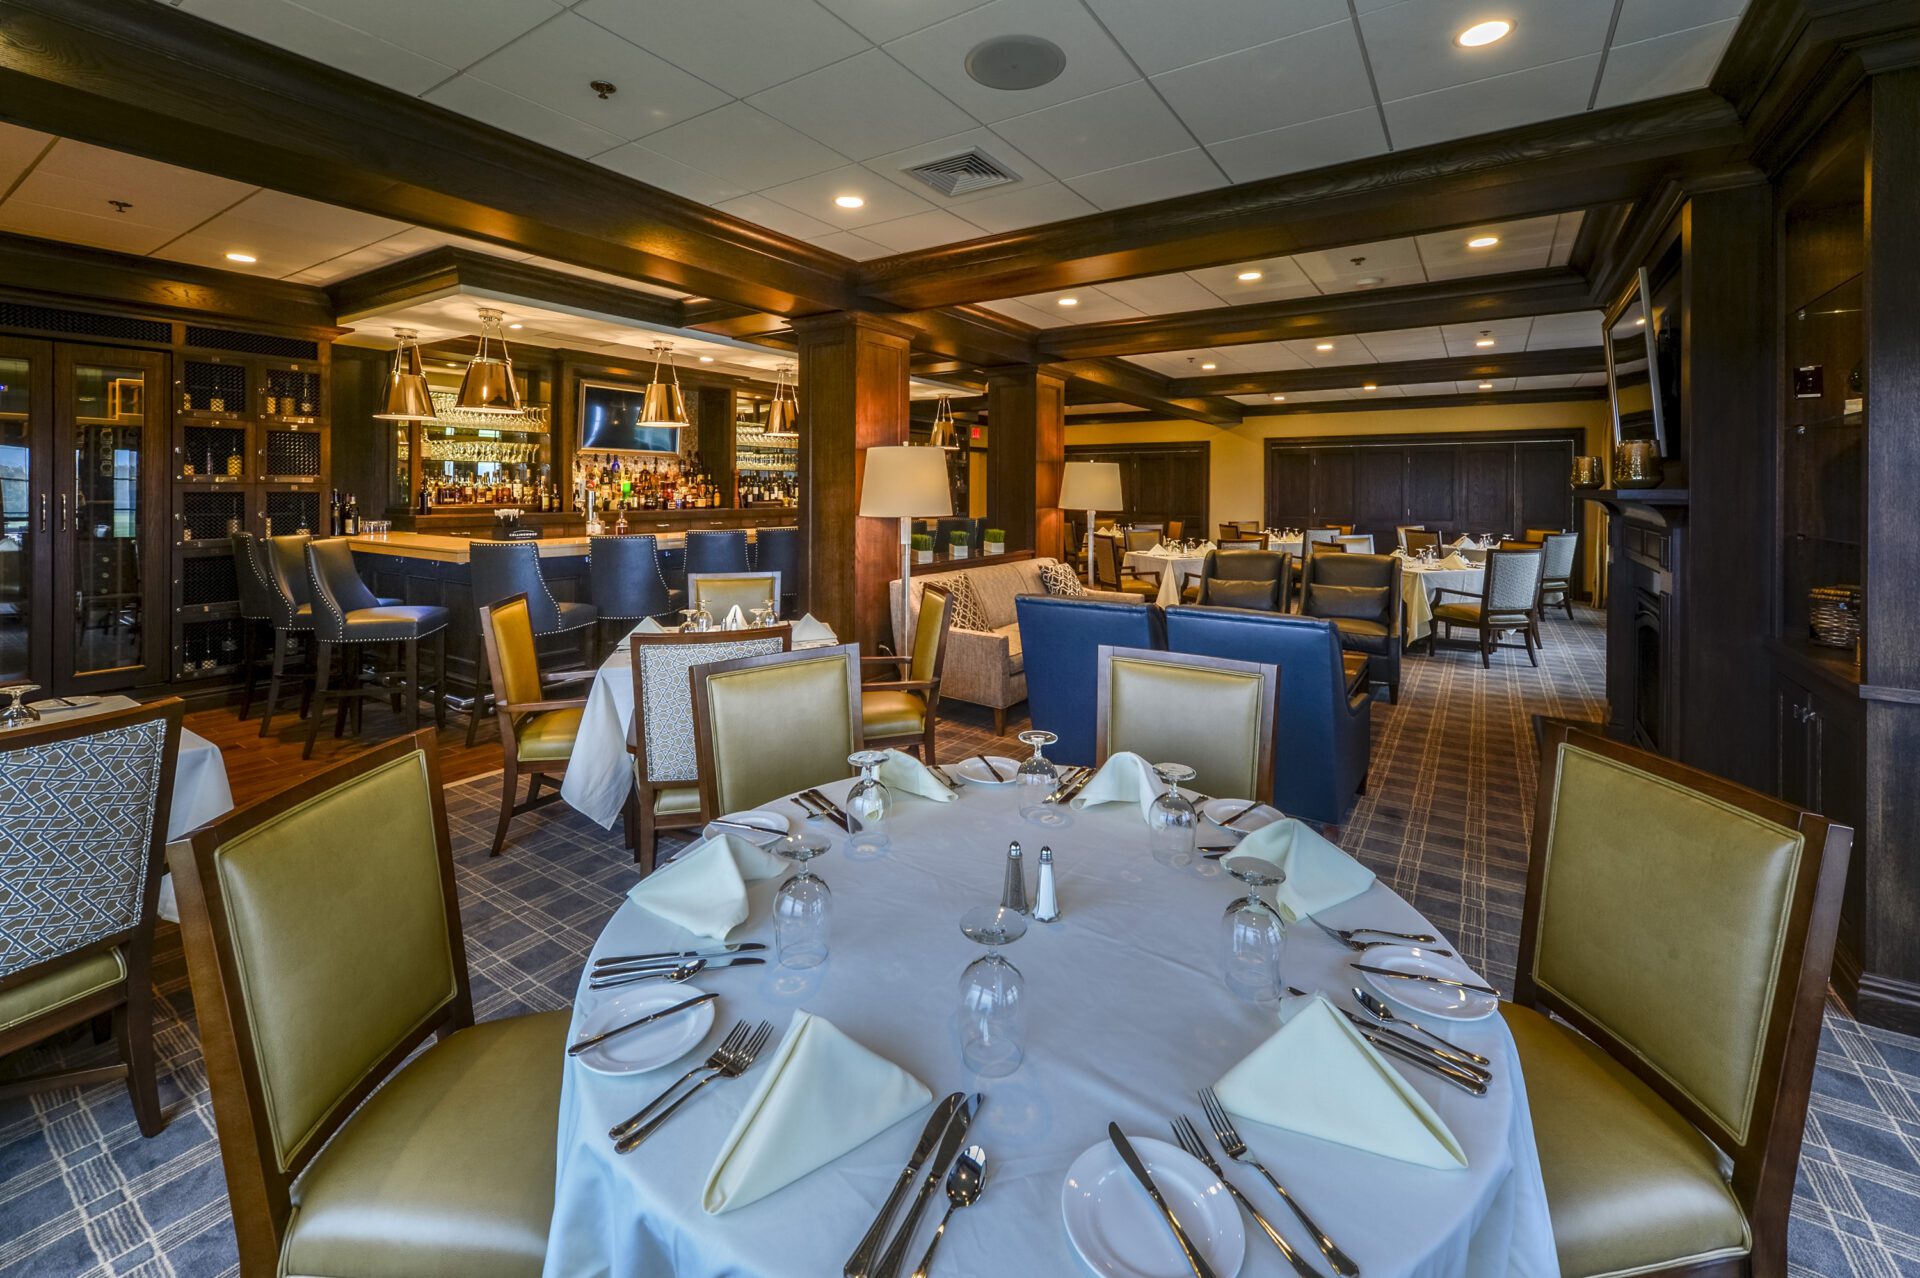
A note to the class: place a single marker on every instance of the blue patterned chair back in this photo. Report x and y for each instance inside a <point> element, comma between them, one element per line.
<point>502,569</point>
<point>626,579</point>
<point>717,550</point>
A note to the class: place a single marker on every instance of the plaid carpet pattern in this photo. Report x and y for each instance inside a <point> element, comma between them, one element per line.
<point>82,1195</point>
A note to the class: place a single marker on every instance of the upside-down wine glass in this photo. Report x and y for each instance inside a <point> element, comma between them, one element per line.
<point>1036,770</point>
<point>803,907</point>
<point>1172,824</point>
<point>993,1008</point>
<point>869,803</point>
<point>1253,934</point>
<point>17,710</point>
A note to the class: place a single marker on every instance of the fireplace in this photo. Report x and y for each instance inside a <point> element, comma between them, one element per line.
<point>1647,542</point>
<point>1649,667</point>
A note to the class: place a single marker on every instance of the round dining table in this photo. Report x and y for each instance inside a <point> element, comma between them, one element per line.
<point>1420,582</point>
<point>1129,1016</point>
<point>1177,568</point>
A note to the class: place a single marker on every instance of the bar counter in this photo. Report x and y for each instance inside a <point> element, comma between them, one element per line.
<point>445,549</point>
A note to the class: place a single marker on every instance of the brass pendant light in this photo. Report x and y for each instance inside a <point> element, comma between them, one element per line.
<point>488,386</point>
<point>944,433</point>
<point>664,404</point>
<point>408,399</point>
<point>783,414</point>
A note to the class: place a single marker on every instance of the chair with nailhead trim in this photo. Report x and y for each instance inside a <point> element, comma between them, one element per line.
<point>502,569</point>
<point>346,615</point>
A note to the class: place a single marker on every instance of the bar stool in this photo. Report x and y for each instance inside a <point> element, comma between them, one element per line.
<point>346,614</point>
<point>290,613</point>
<point>256,608</point>
<point>778,550</point>
<point>717,550</point>
<point>626,579</point>
<point>499,570</point>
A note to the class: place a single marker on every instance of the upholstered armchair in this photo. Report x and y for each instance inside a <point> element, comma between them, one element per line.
<point>1360,595</point>
<point>1556,570</point>
<point>1062,638</point>
<point>768,726</point>
<point>905,710</point>
<point>720,592</point>
<point>536,734</point>
<point>777,550</point>
<point>1257,579</point>
<point>1509,602</point>
<point>1210,713</point>
<point>502,569</point>
<point>347,615</point>
<point>1110,571</point>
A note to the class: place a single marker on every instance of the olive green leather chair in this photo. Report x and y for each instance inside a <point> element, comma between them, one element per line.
<point>905,710</point>
<point>83,826</point>
<point>1673,965</point>
<point>768,726</point>
<point>536,734</point>
<point>719,591</point>
<point>323,941</point>
<point>1213,714</point>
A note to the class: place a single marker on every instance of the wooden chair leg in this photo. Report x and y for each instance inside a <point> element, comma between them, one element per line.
<point>1532,639</point>
<point>249,654</point>
<point>509,786</point>
<point>480,682</point>
<point>999,721</point>
<point>133,1030</point>
<point>281,640</point>
<point>412,686</point>
<point>1486,647</point>
<point>440,679</point>
<point>322,671</point>
<point>646,842</point>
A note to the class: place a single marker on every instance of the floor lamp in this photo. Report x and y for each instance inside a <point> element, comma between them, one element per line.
<point>905,482</point>
<point>1091,486</point>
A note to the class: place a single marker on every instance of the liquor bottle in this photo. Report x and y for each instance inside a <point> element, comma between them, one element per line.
<point>352,521</point>
<point>333,514</point>
<point>424,507</point>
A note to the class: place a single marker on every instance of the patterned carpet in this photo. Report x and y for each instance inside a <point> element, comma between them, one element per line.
<point>81,1194</point>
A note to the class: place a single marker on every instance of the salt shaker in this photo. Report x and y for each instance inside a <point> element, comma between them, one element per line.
<point>1046,904</point>
<point>1014,895</point>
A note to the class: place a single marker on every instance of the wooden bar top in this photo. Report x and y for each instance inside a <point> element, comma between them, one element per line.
<point>453,550</point>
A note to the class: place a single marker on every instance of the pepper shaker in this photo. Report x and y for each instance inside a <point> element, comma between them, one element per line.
<point>1014,895</point>
<point>1046,903</point>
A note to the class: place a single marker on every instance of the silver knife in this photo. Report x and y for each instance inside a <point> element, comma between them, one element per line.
<point>829,809</point>
<point>1228,823</point>
<point>862,1258</point>
<point>677,956</point>
<point>896,1253</point>
<point>1139,1169</point>
<point>574,1049</point>
<point>991,770</point>
<point>1458,1077</point>
<point>1371,1028</point>
<point>633,976</point>
<point>1430,980</point>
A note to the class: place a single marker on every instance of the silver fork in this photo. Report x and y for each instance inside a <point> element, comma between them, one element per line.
<point>1236,1149</point>
<point>718,1060</point>
<point>740,1060</point>
<point>1346,939</point>
<point>1189,1138</point>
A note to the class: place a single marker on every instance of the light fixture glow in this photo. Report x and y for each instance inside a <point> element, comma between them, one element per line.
<point>706,359</point>
<point>408,399</point>
<point>1369,386</point>
<point>783,414</point>
<point>1247,277</point>
<point>1483,341</point>
<point>1486,385</point>
<point>1068,301</point>
<point>488,386</point>
<point>246,259</point>
<point>1209,367</point>
<point>1483,241</point>
<point>1641,322</point>
<point>1324,346</point>
<point>1482,33</point>
<point>849,201</point>
<point>664,405</point>
<point>1279,398</point>
<point>516,326</point>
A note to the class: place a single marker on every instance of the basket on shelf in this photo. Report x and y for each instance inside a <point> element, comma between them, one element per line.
<point>1833,616</point>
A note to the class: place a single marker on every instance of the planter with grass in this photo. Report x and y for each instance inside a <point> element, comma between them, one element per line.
<point>957,545</point>
<point>923,548</point>
<point>996,542</point>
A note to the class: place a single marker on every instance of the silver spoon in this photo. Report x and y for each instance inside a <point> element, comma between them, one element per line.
<point>1387,1016</point>
<point>682,972</point>
<point>964,1182</point>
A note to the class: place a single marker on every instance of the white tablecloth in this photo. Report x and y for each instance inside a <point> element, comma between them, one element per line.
<point>1172,569</point>
<point>599,776</point>
<point>1129,1017</point>
<point>1417,587</point>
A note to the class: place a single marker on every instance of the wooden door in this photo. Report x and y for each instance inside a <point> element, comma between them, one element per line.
<point>1379,493</point>
<point>1432,488</point>
<point>1485,488</point>
<point>1542,495</point>
<point>1289,488</point>
<point>1332,486</point>
<point>26,511</point>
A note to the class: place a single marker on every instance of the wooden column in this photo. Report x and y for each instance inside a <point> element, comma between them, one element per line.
<point>853,396</point>
<point>713,417</point>
<point>1027,418</point>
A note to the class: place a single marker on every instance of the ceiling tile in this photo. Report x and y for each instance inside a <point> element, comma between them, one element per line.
<point>81,179</point>
<point>745,147</point>
<point>1280,278</point>
<point>1665,64</point>
<point>1509,335</point>
<point>1161,178</point>
<point>883,20</point>
<point>457,32</point>
<point>297,29</point>
<point>938,55</point>
<point>1018,310</point>
<point>324,222</point>
<point>1566,233</point>
<point>842,106</point>
<point>1090,306</point>
<point>1525,245</point>
<point>1474,387</point>
<point>1162,36</point>
<point>1645,19</point>
<point>553,63</point>
<point>1050,202</point>
<point>921,231</point>
<point>1591,379</point>
<point>1027,171</point>
<point>815,197</point>
<point>775,216</point>
<point>346,265</point>
<point>1259,357</point>
<point>1351,135</point>
<point>1304,77</point>
<point>1398,345</point>
<point>1560,332</point>
<point>1391,262</point>
<point>19,148</point>
<point>847,244</point>
<point>285,232</point>
<point>1411,389</point>
<point>1163,294</point>
<point>503,110</point>
<point>1487,106</point>
<point>1412,48</point>
<point>1108,129</point>
<point>639,160</point>
<point>95,230</point>
<point>1342,350</point>
<point>783,40</point>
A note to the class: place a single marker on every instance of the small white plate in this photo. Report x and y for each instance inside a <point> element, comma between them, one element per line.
<point>650,1046</point>
<point>1434,1000</point>
<point>58,705</point>
<point>1118,1231</point>
<point>1215,810</point>
<point>975,772</point>
<point>768,826</point>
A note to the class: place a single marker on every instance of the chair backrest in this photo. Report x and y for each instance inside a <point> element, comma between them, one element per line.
<point>1142,538</point>
<point>930,629</point>
<point>1356,543</point>
<point>1210,713</point>
<point>1176,528</point>
<point>1241,543</point>
<point>1243,578</point>
<point>1557,552</point>
<point>1513,581</point>
<point>1357,586</point>
<point>1400,533</point>
<point>1326,535</point>
<point>286,566</point>
<point>624,574</point>
<point>502,569</point>
<point>1415,540</point>
<point>770,725</point>
<point>717,550</point>
<point>662,692</point>
<point>719,591</point>
<point>1108,563</point>
<point>1060,639</point>
<point>506,632</point>
<point>1686,926</point>
<point>250,574</point>
<point>323,941</point>
<point>1540,535</point>
<point>336,586</point>
<point>778,550</point>
<point>84,804</point>
<point>1229,531</point>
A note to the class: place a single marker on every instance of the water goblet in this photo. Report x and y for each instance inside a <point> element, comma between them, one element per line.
<point>1253,935</point>
<point>1172,824</point>
<point>17,710</point>
<point>1036,770</point>
<point>993,1010</point>
<point>803,907</point>
<point>869,803</point>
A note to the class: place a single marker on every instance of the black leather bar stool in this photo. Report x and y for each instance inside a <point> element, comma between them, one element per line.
<point>285,563</point>
<point>256,612</point>
<point>347,614</point>
<point>717,550</point>
<point>626,579</point>
<point>499,570</point>
<point>778,550</point>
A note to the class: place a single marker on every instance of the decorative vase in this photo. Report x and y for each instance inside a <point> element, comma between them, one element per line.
<point>1636,464</point>
<point>1586,472</point>
<point>993,547</point>
<point>923,556</point>
<point>956,552</point>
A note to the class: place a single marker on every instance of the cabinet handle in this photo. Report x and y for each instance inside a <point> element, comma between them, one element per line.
<point>43,512</point>
<point>63,512</point>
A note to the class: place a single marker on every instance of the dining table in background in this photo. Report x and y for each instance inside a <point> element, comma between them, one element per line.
<point>1418,584</point>
<point>1128,1018</point>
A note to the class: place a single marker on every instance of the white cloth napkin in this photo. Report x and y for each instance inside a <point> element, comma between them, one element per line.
<point>1465,541</point>
<point>761,819</point>
<point>820,1096</point>
<point>705,889</point>
<point>735,619</point>
<point>1454,563</point>
<point>904,774</point>
<point>1318,1076</point>
<point>1319,875</point>
<point>648,626</point>
<point>808,630</point>
<point>1123,778</point>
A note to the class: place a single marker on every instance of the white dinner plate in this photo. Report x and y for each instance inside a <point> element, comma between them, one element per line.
<point>58,705</point>
<point>1120,1233</point>
<point>768,826</point>
<point>650,1046</point>
<point>1215,810</point>
<point>1420,996</point>
<point>975,772</point>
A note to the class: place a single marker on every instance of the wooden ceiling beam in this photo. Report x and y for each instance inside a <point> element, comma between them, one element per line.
<point>1117,380</point>
<point>1481,399</point>
<point>1399,373</point>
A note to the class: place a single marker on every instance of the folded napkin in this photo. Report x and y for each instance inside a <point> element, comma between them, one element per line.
<point>648,626</point>
<point>1454,562</point>
<point>1317,1076</point>
<point>904,774</point>
<point>1319,875</point>
<point>735,619</point>
<point>704,890</point>
<point>1123,778</point>
<point>807,630</point>
<point>1464,540</point>
<point>821,1095</point>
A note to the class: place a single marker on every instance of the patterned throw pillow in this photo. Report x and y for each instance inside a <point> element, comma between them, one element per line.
<point>967,611</point>
<point>1061,579</point>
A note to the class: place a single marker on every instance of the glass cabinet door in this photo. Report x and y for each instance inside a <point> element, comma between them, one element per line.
<point>24,518</point>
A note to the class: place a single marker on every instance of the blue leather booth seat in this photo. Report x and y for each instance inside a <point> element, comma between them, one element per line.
<point>1059,641</point>
<point>1321,735</point>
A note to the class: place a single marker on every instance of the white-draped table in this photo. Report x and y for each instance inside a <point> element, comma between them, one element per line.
<point>1419,583</point>
<point>1175,567</point>
<point>1128,1017</point>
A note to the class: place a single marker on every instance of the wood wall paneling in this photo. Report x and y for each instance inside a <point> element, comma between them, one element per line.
<point>1028,410</point>
<point>1160,481</point>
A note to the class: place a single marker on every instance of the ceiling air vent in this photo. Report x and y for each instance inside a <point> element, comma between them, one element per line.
<point>963,174</point>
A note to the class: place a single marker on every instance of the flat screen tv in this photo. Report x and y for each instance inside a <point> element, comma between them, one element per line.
<point>1643,367</point>
<point>610,421</point>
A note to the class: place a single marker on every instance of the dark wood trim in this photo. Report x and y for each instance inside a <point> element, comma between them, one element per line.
<point>1117,379</point>
<point>1519,435</point>
<point>1599,228</point>
<point>1403,373</point>
<point>441,270</point>
<point>1406,403</point>
<point>1028,411</point>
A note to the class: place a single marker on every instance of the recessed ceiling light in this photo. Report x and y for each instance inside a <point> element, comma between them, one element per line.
<point>1483,33</point>
<point>1483,241</point>
<point>1483,341</point>
<point>1324,346</point>
<point>1209,367</point>
<point>1369,386</point>
<point>1068,301</point>
<point>1247,277</point>
<point>1486,385</point>
<point>1640,322</point>
<point>849,201</point>
<point>247,259</point>
<point>1368,281</point>
<point>706,359</point>
<point>1279,397</point>
<point>516,326</point>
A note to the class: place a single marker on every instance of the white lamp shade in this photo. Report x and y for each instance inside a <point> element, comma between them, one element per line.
<point>904,482</point>
<point>1086,485</point>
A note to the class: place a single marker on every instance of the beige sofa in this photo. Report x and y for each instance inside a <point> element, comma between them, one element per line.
<point>984,666</point>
